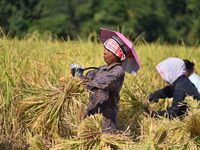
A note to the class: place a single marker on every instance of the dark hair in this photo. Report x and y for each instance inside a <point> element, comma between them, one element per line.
<point>188,64</point>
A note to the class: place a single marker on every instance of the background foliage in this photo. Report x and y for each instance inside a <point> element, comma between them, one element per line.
<point>168,21</point>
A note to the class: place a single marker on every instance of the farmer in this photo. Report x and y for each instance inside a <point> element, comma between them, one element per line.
<point>172,70</point>
<point>105,83</point>
<point>194,78</point>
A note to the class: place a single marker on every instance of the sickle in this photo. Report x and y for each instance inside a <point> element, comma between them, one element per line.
<point>73,70</point>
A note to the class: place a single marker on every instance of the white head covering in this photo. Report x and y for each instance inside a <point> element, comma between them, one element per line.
<point>171,69</point>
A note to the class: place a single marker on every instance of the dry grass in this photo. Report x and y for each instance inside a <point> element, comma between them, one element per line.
<point>91,137</point>
<point>34,101</point>
<point>51,110</point>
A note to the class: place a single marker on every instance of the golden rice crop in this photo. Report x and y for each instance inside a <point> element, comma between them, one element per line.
<point>53,110</point>
<point>90,136</point>
<point>33,100</point>
<point>35,143</point>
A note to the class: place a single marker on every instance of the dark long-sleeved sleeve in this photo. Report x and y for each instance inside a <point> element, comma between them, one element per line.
<point>181,88</point>
<point>106,82</point>
<point>192,91</point>
<point>162,93</point>
<point>177,108</point>
<point>89,76</point>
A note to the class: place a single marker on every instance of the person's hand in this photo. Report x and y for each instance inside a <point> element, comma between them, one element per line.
<point>62,79</point>
<point>146,105</point>
<point>146,102</point>
<point>153,113</point>
<point>148,109</point>
<point>150,112</point>
<point>76,70</point>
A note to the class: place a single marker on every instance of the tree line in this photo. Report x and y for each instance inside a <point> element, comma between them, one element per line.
<point>169,21</point>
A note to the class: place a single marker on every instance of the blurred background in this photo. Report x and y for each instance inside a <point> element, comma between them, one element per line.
<point>166,21</point>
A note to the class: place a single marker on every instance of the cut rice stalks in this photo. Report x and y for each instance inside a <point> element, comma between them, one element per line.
<point>53,110</point>
<point>91,137</point>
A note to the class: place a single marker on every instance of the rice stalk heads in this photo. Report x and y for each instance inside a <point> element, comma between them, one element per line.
<point>177,134</point>
<point>49,110</point>
<point>153,132</point>
<point>192,120</point>
<point>36,143</point>
<point>131,106</point>
<point>90,136</point>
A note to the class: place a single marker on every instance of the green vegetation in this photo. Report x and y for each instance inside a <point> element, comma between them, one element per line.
<point>39,111</point>
<point>170,21</point>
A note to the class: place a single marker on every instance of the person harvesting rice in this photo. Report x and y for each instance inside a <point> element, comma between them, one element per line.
<point>172,70</point>
<point>106,82</point>
<point>191,74</point>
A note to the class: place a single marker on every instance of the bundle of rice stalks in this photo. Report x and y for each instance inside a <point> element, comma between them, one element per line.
<point>163,133</point>
<point>119,140</point>
<point>184,133</point>
<point>35,143</point>
<point>91,137</point>
<point>52,110</point>
<point>12,134</point>
<point>192,120</point>
<point>154,132</point>
<point>177,135</point>
<point>131,108</point>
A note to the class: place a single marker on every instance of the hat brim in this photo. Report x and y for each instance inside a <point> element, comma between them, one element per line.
<point>131,64</point>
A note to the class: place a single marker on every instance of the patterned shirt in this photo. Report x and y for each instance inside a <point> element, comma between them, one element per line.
<point>105,85</point>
